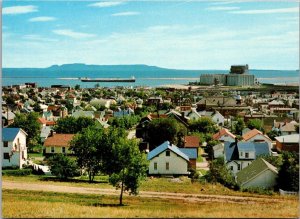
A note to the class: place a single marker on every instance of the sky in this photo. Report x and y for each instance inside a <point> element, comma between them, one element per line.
<point>190,34</point>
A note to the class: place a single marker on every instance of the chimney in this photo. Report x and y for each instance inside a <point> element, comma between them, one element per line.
<point>182,115</point>
<point>51,133</point>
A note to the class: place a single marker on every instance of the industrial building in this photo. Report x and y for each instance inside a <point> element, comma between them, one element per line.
<point>238,76</point>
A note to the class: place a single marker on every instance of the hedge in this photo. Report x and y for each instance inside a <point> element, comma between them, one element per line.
<point>21,172</point>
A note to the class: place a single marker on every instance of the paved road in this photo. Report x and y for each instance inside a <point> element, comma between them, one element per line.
<point>164,195</point>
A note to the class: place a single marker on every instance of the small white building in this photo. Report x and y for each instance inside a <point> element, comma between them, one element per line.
<point>224,135</point>
<point>167,159</point>
<point>259,174</point>
<point>14,147</point>
<point>218,150</point>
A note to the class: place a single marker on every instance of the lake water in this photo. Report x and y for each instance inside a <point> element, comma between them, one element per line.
<point>46,78</point>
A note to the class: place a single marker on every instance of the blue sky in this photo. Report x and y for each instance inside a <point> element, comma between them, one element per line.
<point>173,34</point>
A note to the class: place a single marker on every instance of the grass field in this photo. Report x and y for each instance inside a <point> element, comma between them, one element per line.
<point>150,184</point>
<point>18,203</point>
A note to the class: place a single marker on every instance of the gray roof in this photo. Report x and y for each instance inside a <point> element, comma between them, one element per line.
<point>164,146</point>
<point>254,169</point>
<point>9,134</point>
<point>288,138</point>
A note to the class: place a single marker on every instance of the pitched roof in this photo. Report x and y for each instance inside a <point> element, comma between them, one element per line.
<point>164,146</point>
<point>286,126</point>
<point>9,134</point>
<point>288,138</point>
<point>58,140</point>
<point>252,133</point>
<point>232,152</point>
<point>45,121</point>
<point>46,130</point>
<point>222,132</point>
<point>190,152</point>
<point>254,169</point>
<point>191,141</point>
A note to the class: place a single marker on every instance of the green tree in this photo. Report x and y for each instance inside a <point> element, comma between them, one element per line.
<point>239,126</point>
<point>209,147</point>
<point>87,149</point>
<point>205,125</point>
<point>288,174</point>
<point>63,166</point>
<point>29,123</point>
<point>72,125</point>
<point>128,166</point>
<point>77,87</point>
<point>276,161</point>
<point>255,124</point>
<point>165,129</point>
<point>273,133</point>
<point>218,172</point>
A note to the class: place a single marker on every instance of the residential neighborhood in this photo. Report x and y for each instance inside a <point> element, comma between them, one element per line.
<point>178,137</point>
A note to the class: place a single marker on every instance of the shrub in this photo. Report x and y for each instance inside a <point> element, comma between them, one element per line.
<point>21,172</point>
<point>63,166</point>
<point>258,190</point>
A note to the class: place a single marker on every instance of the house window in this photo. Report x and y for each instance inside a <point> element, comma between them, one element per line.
<point>239,167</point>
<point>241,154</point>
<point>52,149</point>
<point>231,167</point>
<point>155,166</point>
<point>167,166</point>
<point>168,153</point>
<point>5,144</point>
<point>6,156</point>
<point>63,150</point>
<point>246,155</point>
<point>23,155</point>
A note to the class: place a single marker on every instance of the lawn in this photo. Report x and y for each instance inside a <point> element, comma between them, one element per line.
<point>19,203</point>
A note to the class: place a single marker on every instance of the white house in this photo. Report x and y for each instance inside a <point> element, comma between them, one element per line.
<point>224,135</point>
<point>259,173</point>
<point>239,155</point>
<point>14,147</point>
<point>257,136</point>
<point>167,159</point>
<point>215,116</point>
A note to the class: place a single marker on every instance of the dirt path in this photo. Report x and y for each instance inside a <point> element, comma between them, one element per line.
<point>146,194</point>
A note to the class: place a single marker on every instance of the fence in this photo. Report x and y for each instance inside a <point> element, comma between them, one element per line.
<point>282,192</point>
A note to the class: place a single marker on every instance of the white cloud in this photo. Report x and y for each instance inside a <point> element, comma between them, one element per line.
<point>42,19</point>
<point>267,11</point>
<point>19,9</point>
<point>222,8</point>
<point>73,34</point>
<point>106,4</point>
<point>35,37</point>
<point>127,13</point>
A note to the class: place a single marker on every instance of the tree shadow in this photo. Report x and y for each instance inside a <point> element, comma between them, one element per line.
<point>108,205</point>
<point>56,179</point>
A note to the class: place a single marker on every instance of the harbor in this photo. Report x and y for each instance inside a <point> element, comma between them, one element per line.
<point>132,79</point>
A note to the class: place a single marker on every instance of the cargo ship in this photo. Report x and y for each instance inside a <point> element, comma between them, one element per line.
<point>132,79</point>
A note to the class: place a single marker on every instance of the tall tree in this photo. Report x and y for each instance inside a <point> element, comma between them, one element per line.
<point>239,126</point>
<point>255,124</point>
<point>161,130</point>
<point>288,174</point>
<point>128,166</point>
<point>86,147</point>
<point>29,123</point>
<point>71,125</point>
<point>204,125</point>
